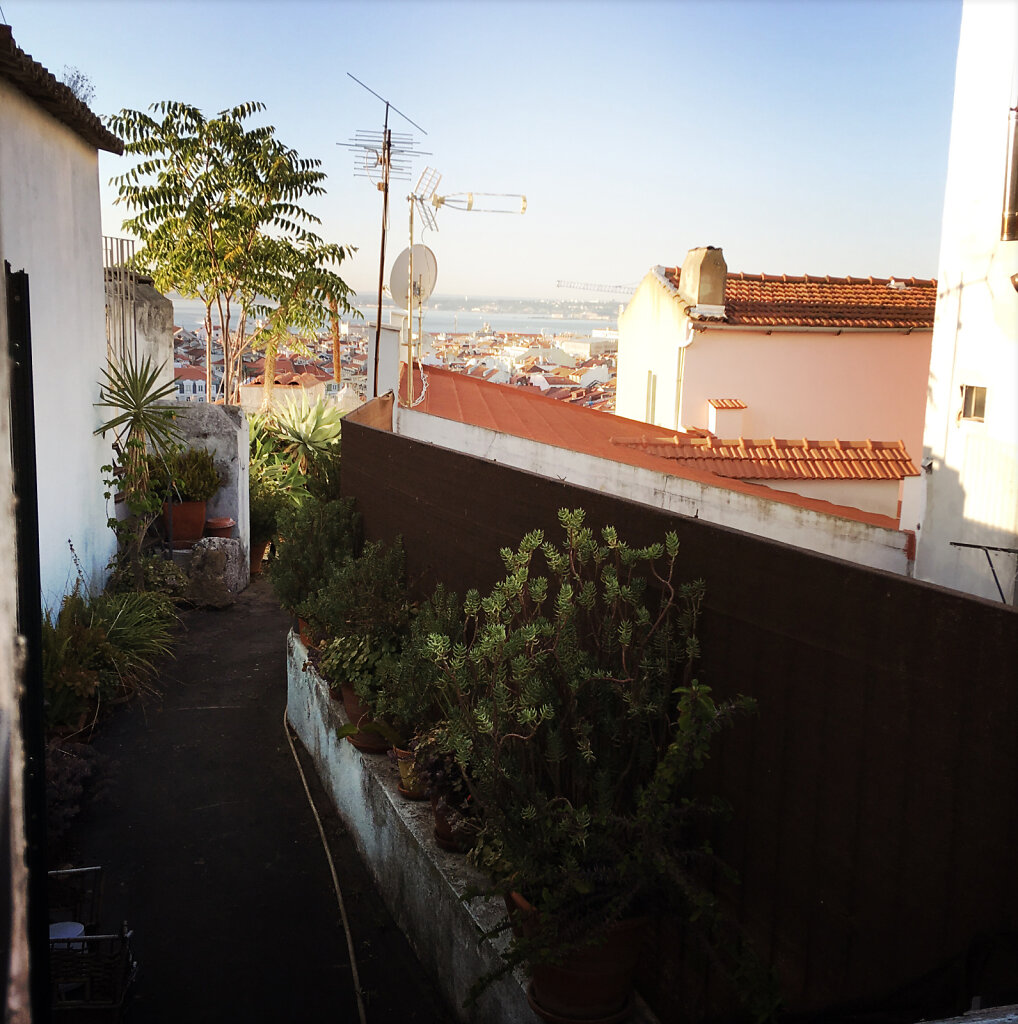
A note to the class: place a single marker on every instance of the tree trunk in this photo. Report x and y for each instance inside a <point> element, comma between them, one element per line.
<point>337,364</point>
<point>269,376</point>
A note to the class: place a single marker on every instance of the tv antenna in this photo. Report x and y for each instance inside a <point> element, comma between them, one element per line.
<point>381,157</point>
<point>418,285</point>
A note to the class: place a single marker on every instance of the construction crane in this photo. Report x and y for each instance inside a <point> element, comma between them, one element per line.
<point>605,289</point>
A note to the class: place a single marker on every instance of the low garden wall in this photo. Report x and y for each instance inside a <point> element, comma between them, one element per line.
<point>421,884</point>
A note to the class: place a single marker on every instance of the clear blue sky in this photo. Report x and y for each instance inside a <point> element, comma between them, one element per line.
<point>801,137</point>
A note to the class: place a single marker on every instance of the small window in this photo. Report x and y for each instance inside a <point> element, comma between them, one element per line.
<point>973,403</point>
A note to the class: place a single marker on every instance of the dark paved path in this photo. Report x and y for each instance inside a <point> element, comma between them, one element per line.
<point>211,853</point>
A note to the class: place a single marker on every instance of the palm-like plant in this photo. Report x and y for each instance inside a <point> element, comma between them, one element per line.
<point>132,390</point>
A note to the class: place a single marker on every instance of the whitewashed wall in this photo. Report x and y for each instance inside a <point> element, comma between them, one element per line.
<point>972,483</point>
<point>50,227</point>
<point>854,541</point>
<point>821,385</point>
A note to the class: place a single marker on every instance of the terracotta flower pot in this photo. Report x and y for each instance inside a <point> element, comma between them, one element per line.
<point>409,784</point>
<point>593,985</point>
<point>188,522</point>
<point>258,555</point>
<point>445,835</point>
<point>220,526</point>
<point>359,714</point>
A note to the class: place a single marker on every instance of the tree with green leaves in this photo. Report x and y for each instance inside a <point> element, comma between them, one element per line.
<point>218,208</point>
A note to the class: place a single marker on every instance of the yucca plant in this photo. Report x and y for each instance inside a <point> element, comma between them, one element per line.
<point>132,390</point>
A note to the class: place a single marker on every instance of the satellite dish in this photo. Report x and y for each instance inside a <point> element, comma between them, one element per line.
<point>425,274</point>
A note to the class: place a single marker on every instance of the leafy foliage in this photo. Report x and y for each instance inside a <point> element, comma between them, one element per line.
<point>364,607</point>
<point>184,474</point>
<point>219,209</point>
<point>314,535</point>
<point>96,649</point>
<point>572,710</point>
<point>133,392</point>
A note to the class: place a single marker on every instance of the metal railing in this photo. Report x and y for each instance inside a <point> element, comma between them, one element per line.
<point>120,283</point>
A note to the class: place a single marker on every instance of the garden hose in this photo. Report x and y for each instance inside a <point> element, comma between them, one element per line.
<point>335,880</point>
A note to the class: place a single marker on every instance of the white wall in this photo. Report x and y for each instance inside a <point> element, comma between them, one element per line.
<point>50,227</point>
<point>650,331</point>
<point>829,534</point>
<point>820,385</point>
<point>972,483</point>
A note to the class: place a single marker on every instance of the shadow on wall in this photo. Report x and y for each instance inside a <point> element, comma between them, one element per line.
<point>951,549</point>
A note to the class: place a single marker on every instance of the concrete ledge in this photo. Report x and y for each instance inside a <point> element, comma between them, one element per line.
<point>421,884</point>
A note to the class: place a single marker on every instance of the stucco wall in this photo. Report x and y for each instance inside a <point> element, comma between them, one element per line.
<point>50,227</point>
<point>858,542</point>
<point>651,328</point>
<point>972,486</point>
<point>854,385</point>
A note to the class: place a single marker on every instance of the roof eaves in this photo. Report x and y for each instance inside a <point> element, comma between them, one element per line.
<point>39,84</point>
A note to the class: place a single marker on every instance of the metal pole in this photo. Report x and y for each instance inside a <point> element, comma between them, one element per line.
<point>410,313</point>
<point>386,153</point>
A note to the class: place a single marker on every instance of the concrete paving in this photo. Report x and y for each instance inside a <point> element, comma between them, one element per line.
<point>211,853</point>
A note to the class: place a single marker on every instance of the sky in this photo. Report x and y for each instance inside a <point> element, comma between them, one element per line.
<point>800,136</point>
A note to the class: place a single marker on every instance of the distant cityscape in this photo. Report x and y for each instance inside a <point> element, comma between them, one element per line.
<point>564,348</point>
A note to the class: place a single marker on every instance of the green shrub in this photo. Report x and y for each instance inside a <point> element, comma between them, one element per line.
<point>574,713</point>
<point>97,649</point>
<point>314,536</point>
<point>184,474</point>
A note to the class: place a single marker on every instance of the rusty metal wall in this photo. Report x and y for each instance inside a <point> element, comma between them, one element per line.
<point>875,794</point>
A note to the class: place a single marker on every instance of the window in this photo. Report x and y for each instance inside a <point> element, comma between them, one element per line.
<point>973,405</point>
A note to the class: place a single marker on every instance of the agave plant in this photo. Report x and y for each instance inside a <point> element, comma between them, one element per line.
<point>309,433</point>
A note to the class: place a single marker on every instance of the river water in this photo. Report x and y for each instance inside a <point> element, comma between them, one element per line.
<point>190,313</point>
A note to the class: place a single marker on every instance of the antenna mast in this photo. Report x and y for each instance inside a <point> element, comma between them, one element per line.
<point>387,155</point>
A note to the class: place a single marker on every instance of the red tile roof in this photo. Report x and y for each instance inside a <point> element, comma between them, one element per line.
<point>780,300</point>
<point>526,413</point>
<point>727,403</point>
<point>781,459</point>
<point>189,373</point>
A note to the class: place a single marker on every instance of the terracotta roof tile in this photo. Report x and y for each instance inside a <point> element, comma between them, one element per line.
<point>727,403</point>
<point>780,459</point>
<point>525,412</point>
<point>781,300</point>
<point>32,79</point>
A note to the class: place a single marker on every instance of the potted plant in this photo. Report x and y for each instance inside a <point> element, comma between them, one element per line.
<point>264,504</point>
<point>576,720</point>
<point>364,611</point>
<point>314,535</point>
<point>141,422</point>
<point>186,478</point>
<point>405,688</point>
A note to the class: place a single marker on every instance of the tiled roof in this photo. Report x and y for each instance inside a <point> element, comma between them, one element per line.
<point>526,413</point>
<point>780,300</point>
<point>780,459</point>
<point>727,403</point>
<point>32,79</point>
<point>189,373</point>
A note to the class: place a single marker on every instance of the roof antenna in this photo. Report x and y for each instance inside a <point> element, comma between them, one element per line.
<point>382,156</point>
<point>419,285</point>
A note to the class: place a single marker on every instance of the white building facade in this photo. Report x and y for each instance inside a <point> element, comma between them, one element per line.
<point>50,228</point>
<point>971,431</point>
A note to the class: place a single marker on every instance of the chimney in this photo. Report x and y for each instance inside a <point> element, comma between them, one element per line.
<point>702,280</point>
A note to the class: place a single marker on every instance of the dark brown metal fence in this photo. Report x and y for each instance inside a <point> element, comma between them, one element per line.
<point>875,794</point>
